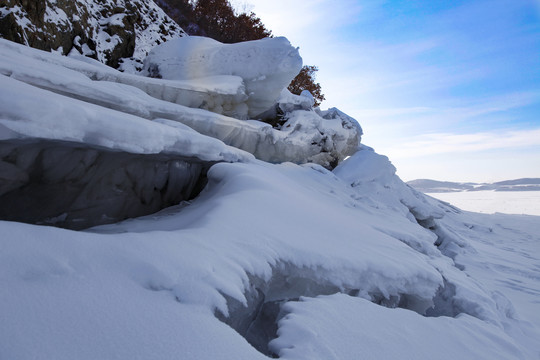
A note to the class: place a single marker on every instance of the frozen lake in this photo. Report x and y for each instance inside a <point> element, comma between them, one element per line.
<point>507,202</point>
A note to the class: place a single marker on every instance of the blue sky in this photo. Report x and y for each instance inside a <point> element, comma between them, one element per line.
<point>446,89</point>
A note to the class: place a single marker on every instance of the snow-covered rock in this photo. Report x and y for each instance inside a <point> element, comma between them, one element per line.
<point>119,33</point>
<point>288,102</point>
<point>265,66</point>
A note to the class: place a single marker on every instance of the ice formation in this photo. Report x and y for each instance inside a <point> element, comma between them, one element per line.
<point>265,66</point>
<point>307,136</point>
<point>70,160</point>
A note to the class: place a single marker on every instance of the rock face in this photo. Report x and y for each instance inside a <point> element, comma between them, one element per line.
<point>118,33</point>
<point>76,186</point>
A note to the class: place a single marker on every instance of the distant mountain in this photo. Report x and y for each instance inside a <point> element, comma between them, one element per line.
<point>524,181</point>
<point>435,186</point>
<point>427,185</point>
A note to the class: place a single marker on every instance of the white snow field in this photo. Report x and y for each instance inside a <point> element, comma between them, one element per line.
<point>277,256</point>
<point>490,202</point>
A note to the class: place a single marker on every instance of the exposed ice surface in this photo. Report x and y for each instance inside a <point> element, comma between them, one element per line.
<point>265,66</point>
<point>307,137</point>
<point>288,260</point>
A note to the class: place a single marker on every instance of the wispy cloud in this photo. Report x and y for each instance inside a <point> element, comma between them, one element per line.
<point>304,19</point>
<point>456,110</point>
<point>445,143</point>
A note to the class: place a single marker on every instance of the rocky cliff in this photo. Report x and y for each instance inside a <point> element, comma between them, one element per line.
<point>118,33</point>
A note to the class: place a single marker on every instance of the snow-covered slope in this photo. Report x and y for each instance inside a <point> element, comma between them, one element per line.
<point>297,261</point>
<point>268,242</point>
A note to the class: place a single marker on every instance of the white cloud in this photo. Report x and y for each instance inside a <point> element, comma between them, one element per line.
<point>307,24</point>
<point>389,127</point>
<point>448,143</point>
<point>294,18</point>
<point>485,166</point>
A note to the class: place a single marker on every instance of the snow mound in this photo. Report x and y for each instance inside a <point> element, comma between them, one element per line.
<point>266,66</point>
<point>384,333</point>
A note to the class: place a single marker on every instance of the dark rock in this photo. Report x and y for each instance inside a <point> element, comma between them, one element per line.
<point>110,31</point>
<point>73,186</point>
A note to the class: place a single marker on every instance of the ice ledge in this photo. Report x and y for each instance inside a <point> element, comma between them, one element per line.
<point>266,66</point>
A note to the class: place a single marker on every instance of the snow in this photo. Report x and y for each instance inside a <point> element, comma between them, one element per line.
<point>289,102</point>
<point>75,296</point>
<point>274,257</point>
<point>361,329</point>
<point>308,236</point>
<point>489,202</point>
<point>366,166</point>
<point>29,112</point>
<point>115,20</point>
<point>56,16</point>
